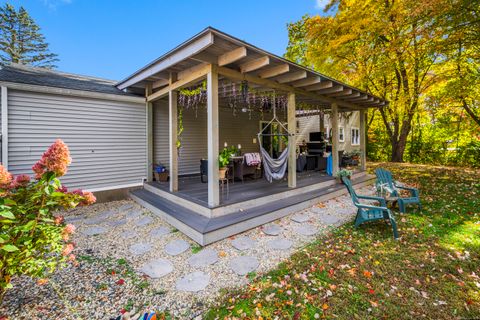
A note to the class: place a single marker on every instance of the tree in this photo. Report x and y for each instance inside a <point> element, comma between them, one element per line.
<point>387,48</point>
<point>21,40</point>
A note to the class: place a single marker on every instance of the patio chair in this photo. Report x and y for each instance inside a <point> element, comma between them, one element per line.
<point>386,182</point>
<point>368,212</point>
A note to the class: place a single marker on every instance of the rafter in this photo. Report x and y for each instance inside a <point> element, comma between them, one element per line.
<point>255,64</point>
<point>232,56</point>
<point>274,71</point>
<point>294,76</point>
<point>306,82</point>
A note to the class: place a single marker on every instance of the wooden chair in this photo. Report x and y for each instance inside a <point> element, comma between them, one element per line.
<point>366,213</point>
<point>386,182</point>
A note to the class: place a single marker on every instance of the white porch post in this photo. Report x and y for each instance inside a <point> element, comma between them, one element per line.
<point>334,119</point>
<point>172,128</point>
<point>149,120</point>
<point>212,128</point>
<point>4,111</point>
<point>363,141</point>
<point>292,152</point>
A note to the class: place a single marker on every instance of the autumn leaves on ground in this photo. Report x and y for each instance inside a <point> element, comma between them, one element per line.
<point>433,272</point>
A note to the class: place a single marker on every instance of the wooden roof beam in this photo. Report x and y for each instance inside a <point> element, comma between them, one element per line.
<point>232,56</point>
<point>293,76</point>
<point>255,64</point>
<point>342,93</point>
<point>354,95</point>
<point>306,82</point>
<point>274,71</point>
<point>361,98</point>
<point>159,83</point>
<point>331,90</point>
<point>320,86</point>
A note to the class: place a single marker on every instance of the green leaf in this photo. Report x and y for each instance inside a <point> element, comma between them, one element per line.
<point>7,214</point>
<point>9,248</point>
<point>10,202</point>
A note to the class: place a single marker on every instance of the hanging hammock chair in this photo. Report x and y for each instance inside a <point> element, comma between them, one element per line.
<point>274,169</point>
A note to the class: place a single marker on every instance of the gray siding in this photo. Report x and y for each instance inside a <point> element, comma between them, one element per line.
<point>352,122</point>
<point>107,139</point>
<point>305,126</point>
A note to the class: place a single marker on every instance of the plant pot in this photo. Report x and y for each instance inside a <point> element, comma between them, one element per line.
<point>222,172</point>
<point>161,176</point>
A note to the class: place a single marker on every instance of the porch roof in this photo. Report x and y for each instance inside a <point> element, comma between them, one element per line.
<point>239,60</point>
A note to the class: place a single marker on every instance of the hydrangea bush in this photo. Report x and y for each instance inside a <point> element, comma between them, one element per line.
<point>34,240</point>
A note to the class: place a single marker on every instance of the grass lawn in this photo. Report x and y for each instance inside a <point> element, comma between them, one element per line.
<point>432,272</point>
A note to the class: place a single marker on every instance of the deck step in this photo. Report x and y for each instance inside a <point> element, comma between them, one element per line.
<point>189,221</point>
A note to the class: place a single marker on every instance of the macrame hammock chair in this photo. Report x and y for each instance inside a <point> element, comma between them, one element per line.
<point>274,169</point>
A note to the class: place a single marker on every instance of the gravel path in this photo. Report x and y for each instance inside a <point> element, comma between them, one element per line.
<point>117,240</point>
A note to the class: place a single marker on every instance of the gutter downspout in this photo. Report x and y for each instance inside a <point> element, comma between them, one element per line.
<point>4,112</point>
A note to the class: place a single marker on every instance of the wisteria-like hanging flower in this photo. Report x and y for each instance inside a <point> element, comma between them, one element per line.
<point>56,159</point>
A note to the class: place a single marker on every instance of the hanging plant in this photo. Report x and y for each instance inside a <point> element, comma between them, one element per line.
<point>179,129</point>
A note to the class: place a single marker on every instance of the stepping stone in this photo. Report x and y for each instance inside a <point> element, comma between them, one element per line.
<point>157,268</point>
<point>92,231</point>
<point>116,223</point>
<point>243,243</point>
<point>140,248</point>
<point>144,221</point>
<point>133,214</point>
<point>125,207</point>
<point>129,234</point>
<point>106,214</point>
<point>243,265</point>
<point>306,230</point>
<point>73,219</point>
<point>203,258</point>
<point>318,210</point>
<point>93,220</point>
<point>272,230</point>
<point>345,211</point>
<point>176,247</point>
<point>279,244</point>
<point>193,282</point>
<point>300,217</point>
<point>160,232</point>
<point>329,219</point>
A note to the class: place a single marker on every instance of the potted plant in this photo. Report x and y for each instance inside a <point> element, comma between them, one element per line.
<point>355,154</point>
<point>160,172</point>
<point>223,161</point>
<point>343,173</point>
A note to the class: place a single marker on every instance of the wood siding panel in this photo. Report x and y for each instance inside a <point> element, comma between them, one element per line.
<point>107,139</point>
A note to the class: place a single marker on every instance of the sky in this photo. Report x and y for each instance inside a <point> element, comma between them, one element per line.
<point>114,38</point>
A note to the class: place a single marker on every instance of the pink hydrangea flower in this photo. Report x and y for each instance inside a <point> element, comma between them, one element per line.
<point>22,180</point>
<point>58,220</point>
<point>68,249</point>
<point>71,257</point>
<point>69,228</point>
<point>5,178</point>
<point>56,159</point>
<point>88,197</point>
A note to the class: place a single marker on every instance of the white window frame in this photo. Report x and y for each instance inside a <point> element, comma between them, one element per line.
<point>341,137</point>
<point>327,132</point>
<point>353,141</point>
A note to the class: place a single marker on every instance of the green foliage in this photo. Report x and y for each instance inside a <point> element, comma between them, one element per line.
<point>21,40</point>
<point>344,173</point>
<point>225,155</point>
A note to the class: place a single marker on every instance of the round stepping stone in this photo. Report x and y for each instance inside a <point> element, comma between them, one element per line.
<point>176,247</point>
<point>279,244</point>
<point>306,230</point>
<point>160,232</point>
<point>133,214</point>
<point>125,207</point>
<point>129,234</point>
<point>300,217</point>
<point>203,258</point>
<point>116,223</point>
<point>243,243</point>
<point>329,219</point>
<point>92,231</point>
<point>144,221</point>
<point>157,268</point>
<point>140,248</point>
<point>243,265</point>
<point>272,230</point>
<point>193,282</point>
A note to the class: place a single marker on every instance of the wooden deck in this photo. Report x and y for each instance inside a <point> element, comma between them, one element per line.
<point>192,189</point>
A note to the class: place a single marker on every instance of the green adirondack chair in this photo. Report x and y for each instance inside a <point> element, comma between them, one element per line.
<point>386,182</point>
<point>367,212</point>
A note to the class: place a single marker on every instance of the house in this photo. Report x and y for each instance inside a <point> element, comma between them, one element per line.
<point>211,90</point>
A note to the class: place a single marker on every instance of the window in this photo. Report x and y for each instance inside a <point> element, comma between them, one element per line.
<point>355,137</point>
<point>341,134</point>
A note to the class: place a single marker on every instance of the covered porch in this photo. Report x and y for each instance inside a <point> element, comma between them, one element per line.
<point>223,74</point>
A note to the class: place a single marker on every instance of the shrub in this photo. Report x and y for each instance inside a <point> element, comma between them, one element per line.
<point>34,240</point>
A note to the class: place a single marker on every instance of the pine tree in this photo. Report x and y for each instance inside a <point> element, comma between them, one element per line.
<point>21,40</point>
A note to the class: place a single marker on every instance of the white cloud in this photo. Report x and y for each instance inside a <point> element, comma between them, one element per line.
<point>53,4</point>
<point>321,4</point>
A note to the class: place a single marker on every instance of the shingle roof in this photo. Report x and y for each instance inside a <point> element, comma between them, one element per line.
<point>19,73</point>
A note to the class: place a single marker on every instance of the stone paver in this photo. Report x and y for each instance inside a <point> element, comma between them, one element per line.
<point>329,219</point>
<point>160,232</point>
<point>116,223</point>
<point>140,248</point>
<point>243,243</point>
<point>132,214</point>
<point>272,230</point>
<point>306,230</point>
<point>193,282</point>
<point>244,264</point>
<point>126,207</point>
<point>280,244</point>
<point>92,231</point>
<point>300,217</point>
<point>144,221</point>
<point>203,258</point>
<point>129,234</point>
<point>93,220</point>
<point>176,247</point>
<point>157,268</point>
<point>318,210</point>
